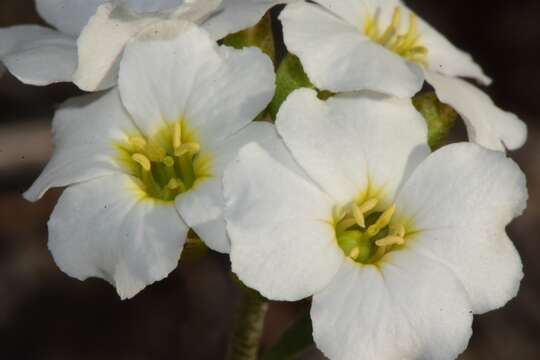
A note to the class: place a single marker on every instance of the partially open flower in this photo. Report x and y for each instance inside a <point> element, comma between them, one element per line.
<point>144,162</point>
<point>383,46</point>
<point>91,35</point>
<point>398,247</point>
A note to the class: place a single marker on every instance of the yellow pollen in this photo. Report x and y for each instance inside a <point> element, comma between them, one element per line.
<point>345,224</point>
<point>177,136</point>
<point>405,45</point>
<point>399,230</point>
<point>175,184</point>
<point>142,160</point>
<point>192,148</point>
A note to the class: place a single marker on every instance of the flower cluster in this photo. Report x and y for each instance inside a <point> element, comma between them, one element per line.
<point>342,200</point>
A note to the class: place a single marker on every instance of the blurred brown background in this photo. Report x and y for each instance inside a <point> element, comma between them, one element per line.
<point>46,315</point>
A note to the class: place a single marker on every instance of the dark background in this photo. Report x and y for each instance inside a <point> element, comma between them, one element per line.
<point>44,314</point>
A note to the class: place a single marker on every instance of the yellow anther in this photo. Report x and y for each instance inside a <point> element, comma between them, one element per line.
<point>354,253</point>
<point>168,161</point>
<point>390,240</point>
<point>396,17</point>
<point>345,224</point>
<point>177,135</point>
<point>382,221</point>
<point>191,148</point>
<point>358,215</point>
<point>175,183</point>
<point>368,205</point>
<point>155,152</point>
<point>142,160</point>
<point>137,141</point>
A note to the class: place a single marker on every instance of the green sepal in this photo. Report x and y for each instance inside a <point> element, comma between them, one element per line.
<point>293,342</point>
<point>290,76</point>
<point>439,117</point>
<point>259,36</point>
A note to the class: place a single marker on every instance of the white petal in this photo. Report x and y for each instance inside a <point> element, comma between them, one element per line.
<point>338,57</point>
<point>445,58</point>
<point>354,11</point>
<point>202,207</point>
<point>37,55</point>
<point>85,130</point>
<point>101,228</point>
<point>413,308</point>
<point>145,6</point>
<point>282,240</point>
<point>487,124</point>
<point>217,90</point>
<point>68,16</point>
<point>461,198</point>
<point>349,140</point>
<point>237,15</point>
<point>101,45</point>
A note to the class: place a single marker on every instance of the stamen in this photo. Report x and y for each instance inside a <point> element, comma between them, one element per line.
<point>192,148</point>
<point>168,161</point>
<point>137,141</point>
<point>177,135</point>
<point>142,160</point>
<point>382,221</point>
<point>390,240</point>
<point>175,183</point>
<point>358,216</point>
<point>345,224</point>
<point>155,152</point>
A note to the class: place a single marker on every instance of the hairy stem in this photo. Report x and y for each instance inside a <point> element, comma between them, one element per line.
<point>248,330</point>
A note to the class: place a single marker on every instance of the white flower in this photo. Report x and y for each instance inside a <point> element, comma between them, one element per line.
<point>381,45</point>
<point>91,35</point>
<point>144,161</point>
<point>398,247</point>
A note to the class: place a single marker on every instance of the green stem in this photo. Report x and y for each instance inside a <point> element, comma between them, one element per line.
<point>248,330</point>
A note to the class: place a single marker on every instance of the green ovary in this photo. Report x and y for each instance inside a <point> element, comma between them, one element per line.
<point>406,45</point>
<point>166,164</point>
<point>365,232</point>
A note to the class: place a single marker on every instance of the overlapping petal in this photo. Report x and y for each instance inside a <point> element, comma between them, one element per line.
<point>338,57</point>
<point>237,15</point>
<point>460,211</point>
<point>68,16</point>
<point>283,242</point>
<point>202,207</point>
<point>217,90</point>
<point>349,143</point>
<point>487,124</point>
<point>102,41</point>
<point>103,228</point>
<point>85,130</point>
<point>409,308</point>
<point>37,55</point>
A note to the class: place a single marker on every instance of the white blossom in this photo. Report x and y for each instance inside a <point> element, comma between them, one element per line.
<point>143,162</point>
<point>397,246</point>
<point>383,46</point>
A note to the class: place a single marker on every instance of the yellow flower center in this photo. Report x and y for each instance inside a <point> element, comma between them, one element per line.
<point>167,164</point>
<point>366,234</point>
<point>406,45</point>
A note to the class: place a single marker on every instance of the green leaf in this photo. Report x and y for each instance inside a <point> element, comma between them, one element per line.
<point>259,36</point>
<point>294,341</point>
<point>439,117</point>
<point>290,76</point>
